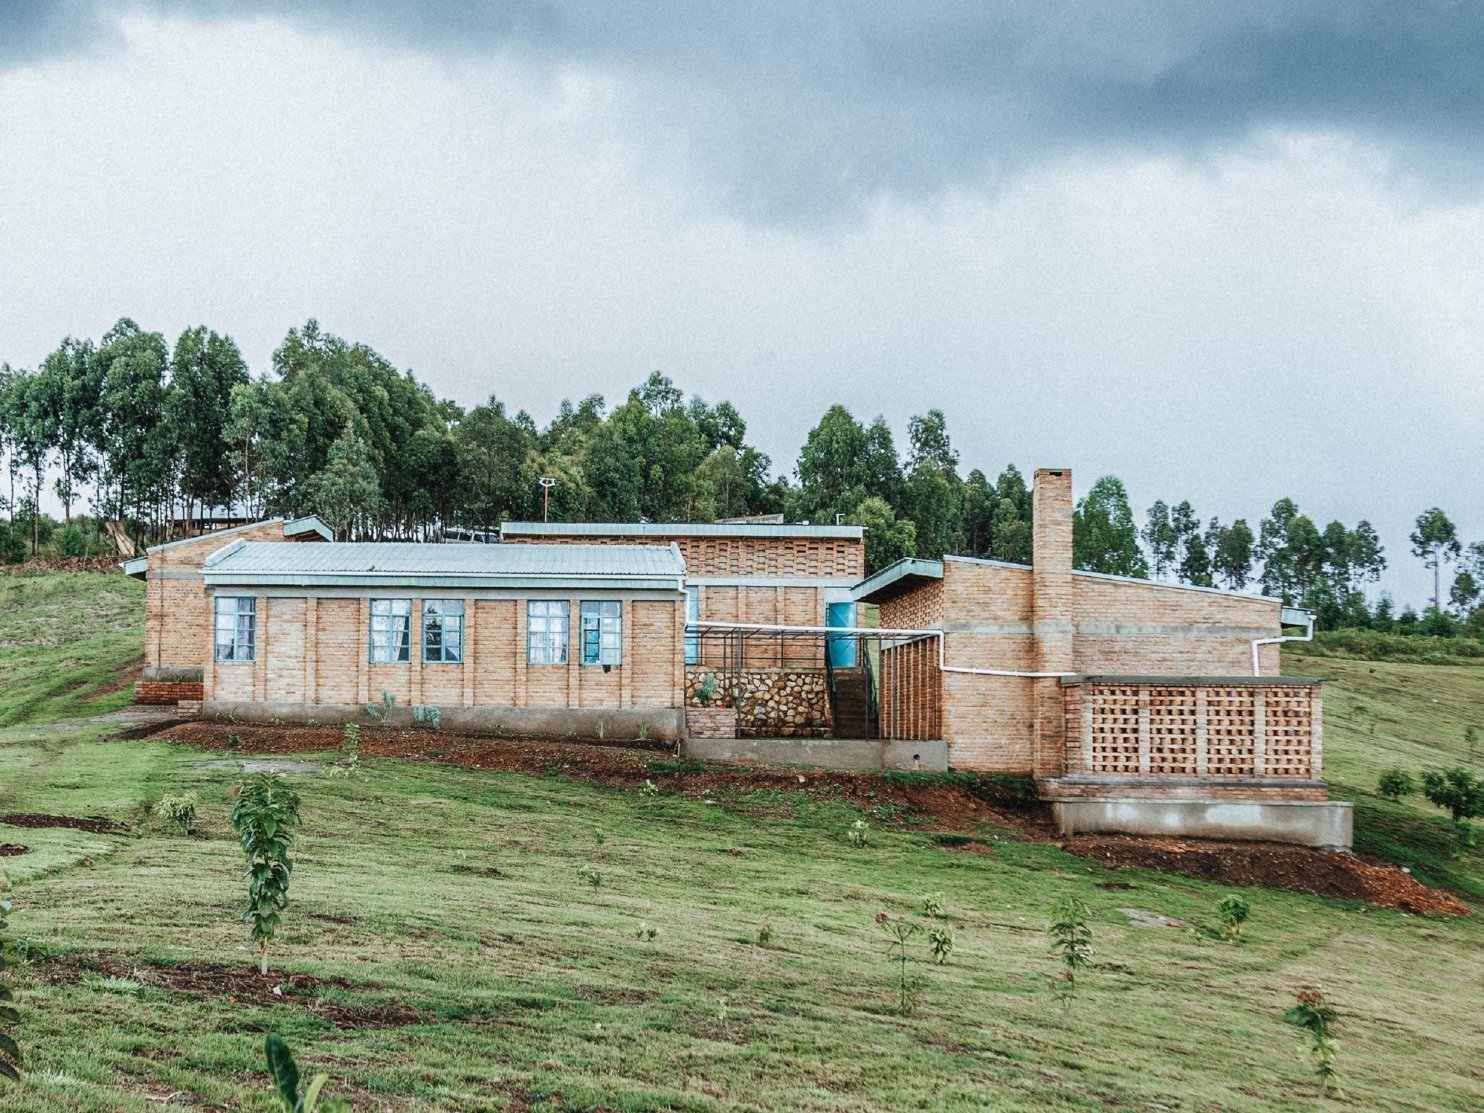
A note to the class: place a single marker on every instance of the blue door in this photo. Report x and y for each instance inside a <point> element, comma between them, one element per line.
<point>841,646</point>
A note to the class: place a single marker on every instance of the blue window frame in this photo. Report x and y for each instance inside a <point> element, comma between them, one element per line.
<point>391,631</point>
<point>546,631</point>
<point>236,627</point>
<point>602,632</point>
<point>443,631</point>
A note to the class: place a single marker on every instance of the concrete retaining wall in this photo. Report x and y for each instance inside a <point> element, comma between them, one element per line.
<point>830,753</point>
<point>1304,822</point>
<point>606,724</point>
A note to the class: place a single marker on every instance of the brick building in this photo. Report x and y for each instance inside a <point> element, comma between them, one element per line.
<point>1114,693</point>
<point>544,638</point>
<point>1136,706</point>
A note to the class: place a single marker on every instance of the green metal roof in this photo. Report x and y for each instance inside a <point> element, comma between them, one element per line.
<point>678,529</point>
<point>413,564</point>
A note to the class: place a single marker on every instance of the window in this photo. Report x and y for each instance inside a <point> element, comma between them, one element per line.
<point>546,631</point>
<point>443,630</point>
<point>391,631</point>
<point>602,633</point>
<point>692,634</point>
<point>236,627</point>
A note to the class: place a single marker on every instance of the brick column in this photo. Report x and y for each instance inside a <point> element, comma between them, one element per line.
<point>1051,613</point>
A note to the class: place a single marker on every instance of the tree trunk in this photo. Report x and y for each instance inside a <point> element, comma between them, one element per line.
<point>263,952</point>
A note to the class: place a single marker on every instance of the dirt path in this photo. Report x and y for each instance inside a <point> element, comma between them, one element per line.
<point>949,804</point>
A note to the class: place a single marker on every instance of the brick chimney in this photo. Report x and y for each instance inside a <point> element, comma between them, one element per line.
<point>1051,612</point>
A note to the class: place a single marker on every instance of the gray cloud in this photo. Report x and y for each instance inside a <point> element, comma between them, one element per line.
<point>798,113</point>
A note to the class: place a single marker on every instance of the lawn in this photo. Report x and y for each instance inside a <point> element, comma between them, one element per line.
<point>463,962</point>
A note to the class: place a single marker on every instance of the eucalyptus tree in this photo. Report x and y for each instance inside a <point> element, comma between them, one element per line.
<point>66,399</point>
<point>205,369</point>
<point>1104,537</point>
<point>1435,542</point>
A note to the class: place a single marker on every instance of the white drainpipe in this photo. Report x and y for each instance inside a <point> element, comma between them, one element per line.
<point>943,666</point>
<point>1307,636</point>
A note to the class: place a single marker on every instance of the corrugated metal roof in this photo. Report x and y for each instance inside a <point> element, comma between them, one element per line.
<point>895,579</point>
<point>679,529</point>
<point>272,562</point>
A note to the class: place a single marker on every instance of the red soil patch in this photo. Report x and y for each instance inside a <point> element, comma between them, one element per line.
<point>96,824</point>
<point>11,849</point>
<point>945,806</point>
<point>1276,865</point>
<point>239,985</point>
<point>940,807</point>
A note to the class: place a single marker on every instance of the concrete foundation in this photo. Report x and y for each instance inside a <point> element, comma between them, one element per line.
<point>662,724</point>
<point>1327,823</point>
<point>829,753</point>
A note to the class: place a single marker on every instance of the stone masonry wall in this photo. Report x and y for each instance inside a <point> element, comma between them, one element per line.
<point>771,703</point>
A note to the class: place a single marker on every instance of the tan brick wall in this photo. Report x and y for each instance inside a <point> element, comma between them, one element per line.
<point>177,614</point>
<point>919,609</point>
<point>316,650</point>
<point>1111,626</point>
<point>740,556</point>
<point>1155,629</point>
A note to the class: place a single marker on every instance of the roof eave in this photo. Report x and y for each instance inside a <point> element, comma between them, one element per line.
<point>895,579</point>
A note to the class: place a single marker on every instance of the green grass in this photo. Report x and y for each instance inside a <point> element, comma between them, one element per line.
<point>65,640</point>
<point>457,894</point>
<point>1381,715</point>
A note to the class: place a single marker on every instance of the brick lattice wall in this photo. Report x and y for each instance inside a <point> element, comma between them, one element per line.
<point>1207,731</point>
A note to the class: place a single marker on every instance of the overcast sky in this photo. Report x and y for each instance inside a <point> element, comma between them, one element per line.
<point>1228,253</point>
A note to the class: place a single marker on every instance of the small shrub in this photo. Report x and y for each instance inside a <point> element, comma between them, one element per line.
<point>644,732</point>
<point>264,816</point>
<point>1311,1014</point>
<point>706,691</point>
<point>1461,794</point>
<point>647,932</point>
<point>590,876</point>
<point>940,943</point>
<point>234,742</point>
<point>178,809</point>
<point>285,1074</point>
<point>382,710</point>
<point>932,906</point>
<point>1233,911</point>
<point>1071,942</point>
<point>900,931</point>
<point>765,935</point>
<point>598,836</point>
<point>649,790</point>
<point>859,834</point>
<point>352,741</point>
<point>1394,784</point>
<point>430,714</point>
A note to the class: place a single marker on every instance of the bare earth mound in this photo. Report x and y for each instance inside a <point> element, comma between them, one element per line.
<point>935,805</point>
<point>1277,865</point>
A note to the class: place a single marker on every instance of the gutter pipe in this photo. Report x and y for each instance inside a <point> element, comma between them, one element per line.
<point>1307,636</point>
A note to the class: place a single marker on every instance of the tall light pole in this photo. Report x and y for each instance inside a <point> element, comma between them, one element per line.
<point>547,483</point>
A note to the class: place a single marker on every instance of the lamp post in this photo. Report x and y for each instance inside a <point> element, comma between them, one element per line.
<point>547,483</point>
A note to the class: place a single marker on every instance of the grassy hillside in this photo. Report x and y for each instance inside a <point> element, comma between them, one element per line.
<point>67,643</point>
<point>1383,715</point>
<point>443,950</point>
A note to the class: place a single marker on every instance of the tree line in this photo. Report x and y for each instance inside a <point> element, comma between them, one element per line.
<point>155,436</point>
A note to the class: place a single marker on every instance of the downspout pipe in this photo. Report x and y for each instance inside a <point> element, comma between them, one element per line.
<point>1306,636</point>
